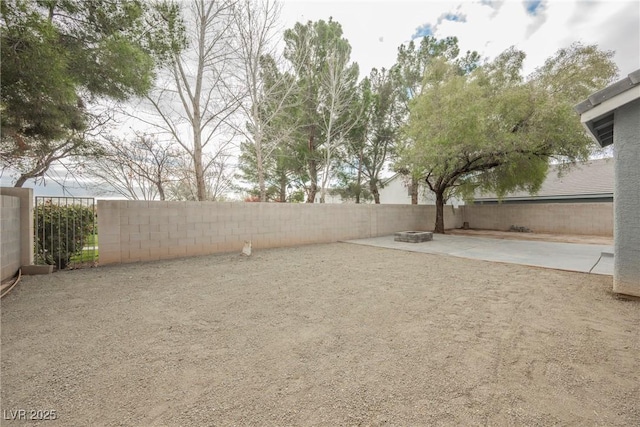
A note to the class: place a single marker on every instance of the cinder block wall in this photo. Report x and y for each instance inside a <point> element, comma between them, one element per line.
<point>24,227</point>
<point>561,218</point>
<point>131,231</point>
<point>9,235</point>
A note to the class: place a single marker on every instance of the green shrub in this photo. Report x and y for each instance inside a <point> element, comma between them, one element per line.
<point>61,232</point>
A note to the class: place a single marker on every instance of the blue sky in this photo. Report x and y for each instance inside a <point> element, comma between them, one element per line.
<point>429,29</point>
<point>533,6</point>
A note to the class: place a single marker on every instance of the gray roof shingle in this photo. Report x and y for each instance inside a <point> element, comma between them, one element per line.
<point>588,179</point>
<point>602,127</point>
<point>609,92</point>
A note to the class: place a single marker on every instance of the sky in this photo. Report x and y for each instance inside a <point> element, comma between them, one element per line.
<point>376,28</point>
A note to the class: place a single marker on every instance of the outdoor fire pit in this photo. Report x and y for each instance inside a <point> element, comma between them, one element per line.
<point>413,236</point>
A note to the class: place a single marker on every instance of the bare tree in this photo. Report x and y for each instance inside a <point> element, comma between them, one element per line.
<point>307,48</point>
<point>338,85</point>
<point>218,179</point>
<point>197,93</point>
<point>138,169</point>
<point>268,90</point>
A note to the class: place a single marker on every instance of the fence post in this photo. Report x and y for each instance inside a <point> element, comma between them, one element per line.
<point>26,221</point>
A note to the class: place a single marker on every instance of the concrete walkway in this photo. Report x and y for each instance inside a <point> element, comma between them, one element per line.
<point>561,256</point>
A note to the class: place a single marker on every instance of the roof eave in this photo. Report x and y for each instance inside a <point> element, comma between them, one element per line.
<point>600,106</point>
<point>560,197</point>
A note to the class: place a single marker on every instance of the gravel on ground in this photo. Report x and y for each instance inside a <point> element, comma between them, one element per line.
<point>325,335</point>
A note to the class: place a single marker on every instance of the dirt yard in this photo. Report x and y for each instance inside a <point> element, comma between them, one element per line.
<point>329,335</point>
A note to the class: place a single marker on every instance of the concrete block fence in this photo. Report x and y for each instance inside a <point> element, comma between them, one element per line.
<point>560,218</point>
<point>10,235</point>
<point>131,231</point>
<point>16,229</point>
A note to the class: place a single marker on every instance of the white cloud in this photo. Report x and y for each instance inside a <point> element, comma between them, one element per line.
<point>376,28</point>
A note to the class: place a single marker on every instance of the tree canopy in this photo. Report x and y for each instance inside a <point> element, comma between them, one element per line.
<point>371,143</point>
<point>493,130</point>
<point>310,49</point>
<point>58,56</point>
<point>307,122</point>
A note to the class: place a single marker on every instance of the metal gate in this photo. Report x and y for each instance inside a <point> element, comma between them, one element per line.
<point>66,232</point>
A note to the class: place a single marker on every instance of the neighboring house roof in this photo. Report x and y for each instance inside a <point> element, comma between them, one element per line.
<point>589,180</point>
<point>597,111</point>
<point>390,179</point>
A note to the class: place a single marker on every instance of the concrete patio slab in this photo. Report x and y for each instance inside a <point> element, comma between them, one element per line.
<point>561,256</point>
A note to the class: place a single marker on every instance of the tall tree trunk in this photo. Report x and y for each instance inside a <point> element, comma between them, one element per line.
<point>196,121</point>
<point>313,171</point>
<point>359,181</point>
<point>258,146</point>
<point>414,191</point>
<point>160,187</point>
<point>374,191</point>
<point>20,182</point>
<point>313,189</point>
<point>283,189</point>
<point>260,167</point>
<point>439,228</point>
<point>201,191</point>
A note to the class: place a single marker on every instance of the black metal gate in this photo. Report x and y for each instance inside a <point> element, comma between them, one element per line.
<point>66,232</point>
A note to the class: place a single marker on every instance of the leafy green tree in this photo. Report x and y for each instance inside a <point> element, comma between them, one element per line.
<point>347,186</point>
<point>269,99</point>
<point>372,142</point>
<point>338,107</point>
<point>495,131</point>
<point>281,178</point>
<point>350,171</point>
<point>408,73</point>
<point>58,56</point>
<point>270,162</point>
<point>412,62</point>
<point>308,48</point>
<point>269,153</point>
<point>381,138</point>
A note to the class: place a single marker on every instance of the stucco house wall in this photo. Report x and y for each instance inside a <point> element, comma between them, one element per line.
<point>626,139</point>
<point>396,192</point>
<point>612,116</point>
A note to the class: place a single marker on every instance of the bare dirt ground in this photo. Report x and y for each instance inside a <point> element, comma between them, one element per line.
<point>547,237</point>
<point>330,335</point>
